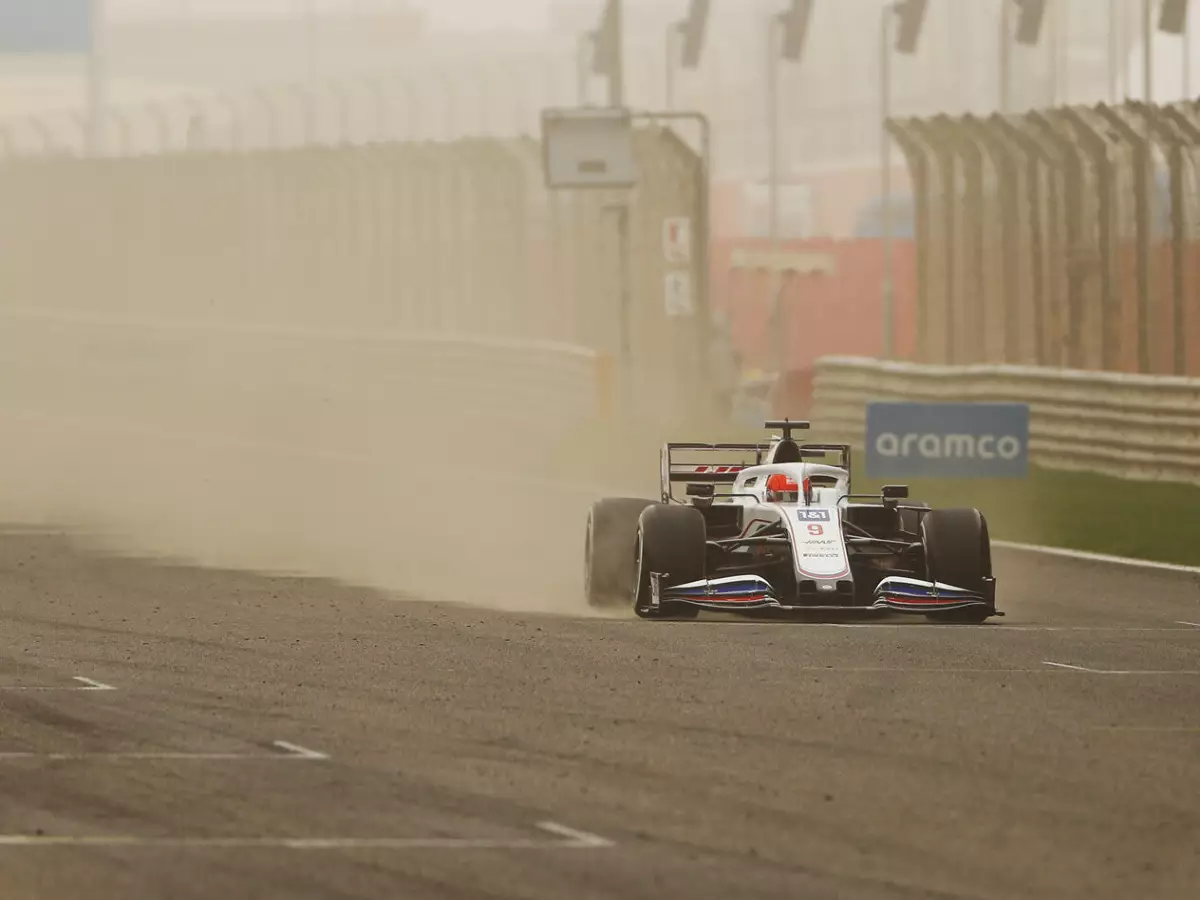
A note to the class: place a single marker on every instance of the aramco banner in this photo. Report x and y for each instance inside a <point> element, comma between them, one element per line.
<point>947,440</point>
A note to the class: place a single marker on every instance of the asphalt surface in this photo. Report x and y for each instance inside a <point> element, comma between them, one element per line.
<point>448,752</point>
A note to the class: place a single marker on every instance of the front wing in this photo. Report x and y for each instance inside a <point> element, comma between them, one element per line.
<point>911,595</point>
<point>735,592</point>
<point>747,592</point>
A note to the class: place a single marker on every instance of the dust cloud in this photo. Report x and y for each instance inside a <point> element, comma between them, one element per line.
<point>363,461</point>
<point>396,492</point>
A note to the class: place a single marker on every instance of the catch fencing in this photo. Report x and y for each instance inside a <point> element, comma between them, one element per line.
<point>1129,426</point>
<point>390,249</point>
<point>1060,237</point>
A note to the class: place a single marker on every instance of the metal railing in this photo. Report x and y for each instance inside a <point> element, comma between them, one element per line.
<point>1128,426</point>
<point>499,99</point>
<point>1061,237</point>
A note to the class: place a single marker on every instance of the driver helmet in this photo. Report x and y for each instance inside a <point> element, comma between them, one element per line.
<point>782,489</point>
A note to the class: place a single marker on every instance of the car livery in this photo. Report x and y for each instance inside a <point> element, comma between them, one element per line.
<point>785,535</point>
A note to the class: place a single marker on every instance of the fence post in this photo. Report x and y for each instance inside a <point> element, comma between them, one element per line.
<point>1072,170</point>
<point>343,109</point>
<point>971,299</point>
<point>1143,187</point>
<point>1095,146</point>
<point>267,103</point>
<point>1007,193</point>
<point>949,193</point>
<point>1037,158</point>
<point>381,110</point>
<point>413,119</point>
<point>1188,133</point>
<point>1166,135</point>
<point>917,155</point>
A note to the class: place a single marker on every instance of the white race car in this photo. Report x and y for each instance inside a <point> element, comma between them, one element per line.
<point>786,536</point>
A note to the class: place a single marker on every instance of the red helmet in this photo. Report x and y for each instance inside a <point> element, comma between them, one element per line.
<point>780,486</point>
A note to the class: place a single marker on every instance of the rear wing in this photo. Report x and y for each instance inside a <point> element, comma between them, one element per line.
<point>682,462</point>
<point>843,449</point>
<point>677,470</point>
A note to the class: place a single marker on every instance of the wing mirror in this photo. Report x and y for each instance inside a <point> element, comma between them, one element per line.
<point>893,494</point>
<point>702,494</point>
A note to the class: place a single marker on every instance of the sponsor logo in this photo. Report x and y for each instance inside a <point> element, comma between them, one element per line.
<point>820,556</point>
<point>949,446</point>
<point>812,515</point>
<point>717,470</point>
<point>947,440</point>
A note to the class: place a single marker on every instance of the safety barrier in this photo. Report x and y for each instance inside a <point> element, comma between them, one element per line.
<point>1132,426</point>
<point>327,390</point>
<point>440,243</point>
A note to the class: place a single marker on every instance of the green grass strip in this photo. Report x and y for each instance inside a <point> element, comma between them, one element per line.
<point>1151,520</point>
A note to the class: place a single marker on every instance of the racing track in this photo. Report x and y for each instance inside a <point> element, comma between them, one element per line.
<point>715,760</point>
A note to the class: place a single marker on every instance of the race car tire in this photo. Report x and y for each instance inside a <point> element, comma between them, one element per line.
<point>610,550</point>
<point>957,551</point>
<point>672,540</point>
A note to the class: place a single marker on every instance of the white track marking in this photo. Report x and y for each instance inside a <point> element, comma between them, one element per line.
<point>1072,668</point>
<point>85,684</point>
<point>575,837</point>
<point>1059,665</point>
<point>299,752</point>
<point>1098,557</point>
<point>92,685</point>
<point>571,839</point>
<point>290,752</point>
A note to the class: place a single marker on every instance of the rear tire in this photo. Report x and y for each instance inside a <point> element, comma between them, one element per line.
<point>671,540</point>
<point>958,551</point>
<point>609,556</point>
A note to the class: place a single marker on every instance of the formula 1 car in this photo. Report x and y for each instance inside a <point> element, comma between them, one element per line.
<point>786,536</point>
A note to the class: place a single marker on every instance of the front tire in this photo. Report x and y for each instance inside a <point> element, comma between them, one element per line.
<point>609,562</point>
<point>958,551</point>
<point>671,541</point>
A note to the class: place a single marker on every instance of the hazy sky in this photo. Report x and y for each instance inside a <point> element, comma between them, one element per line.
<point>521,14</point>
<point>524,15</point>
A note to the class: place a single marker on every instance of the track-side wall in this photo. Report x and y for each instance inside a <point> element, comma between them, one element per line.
<point>1127,426</point>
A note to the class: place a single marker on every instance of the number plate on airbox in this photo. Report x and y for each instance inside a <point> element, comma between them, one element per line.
<point>812,515</point>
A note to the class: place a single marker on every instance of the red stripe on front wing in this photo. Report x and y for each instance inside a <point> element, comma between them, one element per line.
<point>924,601</point>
